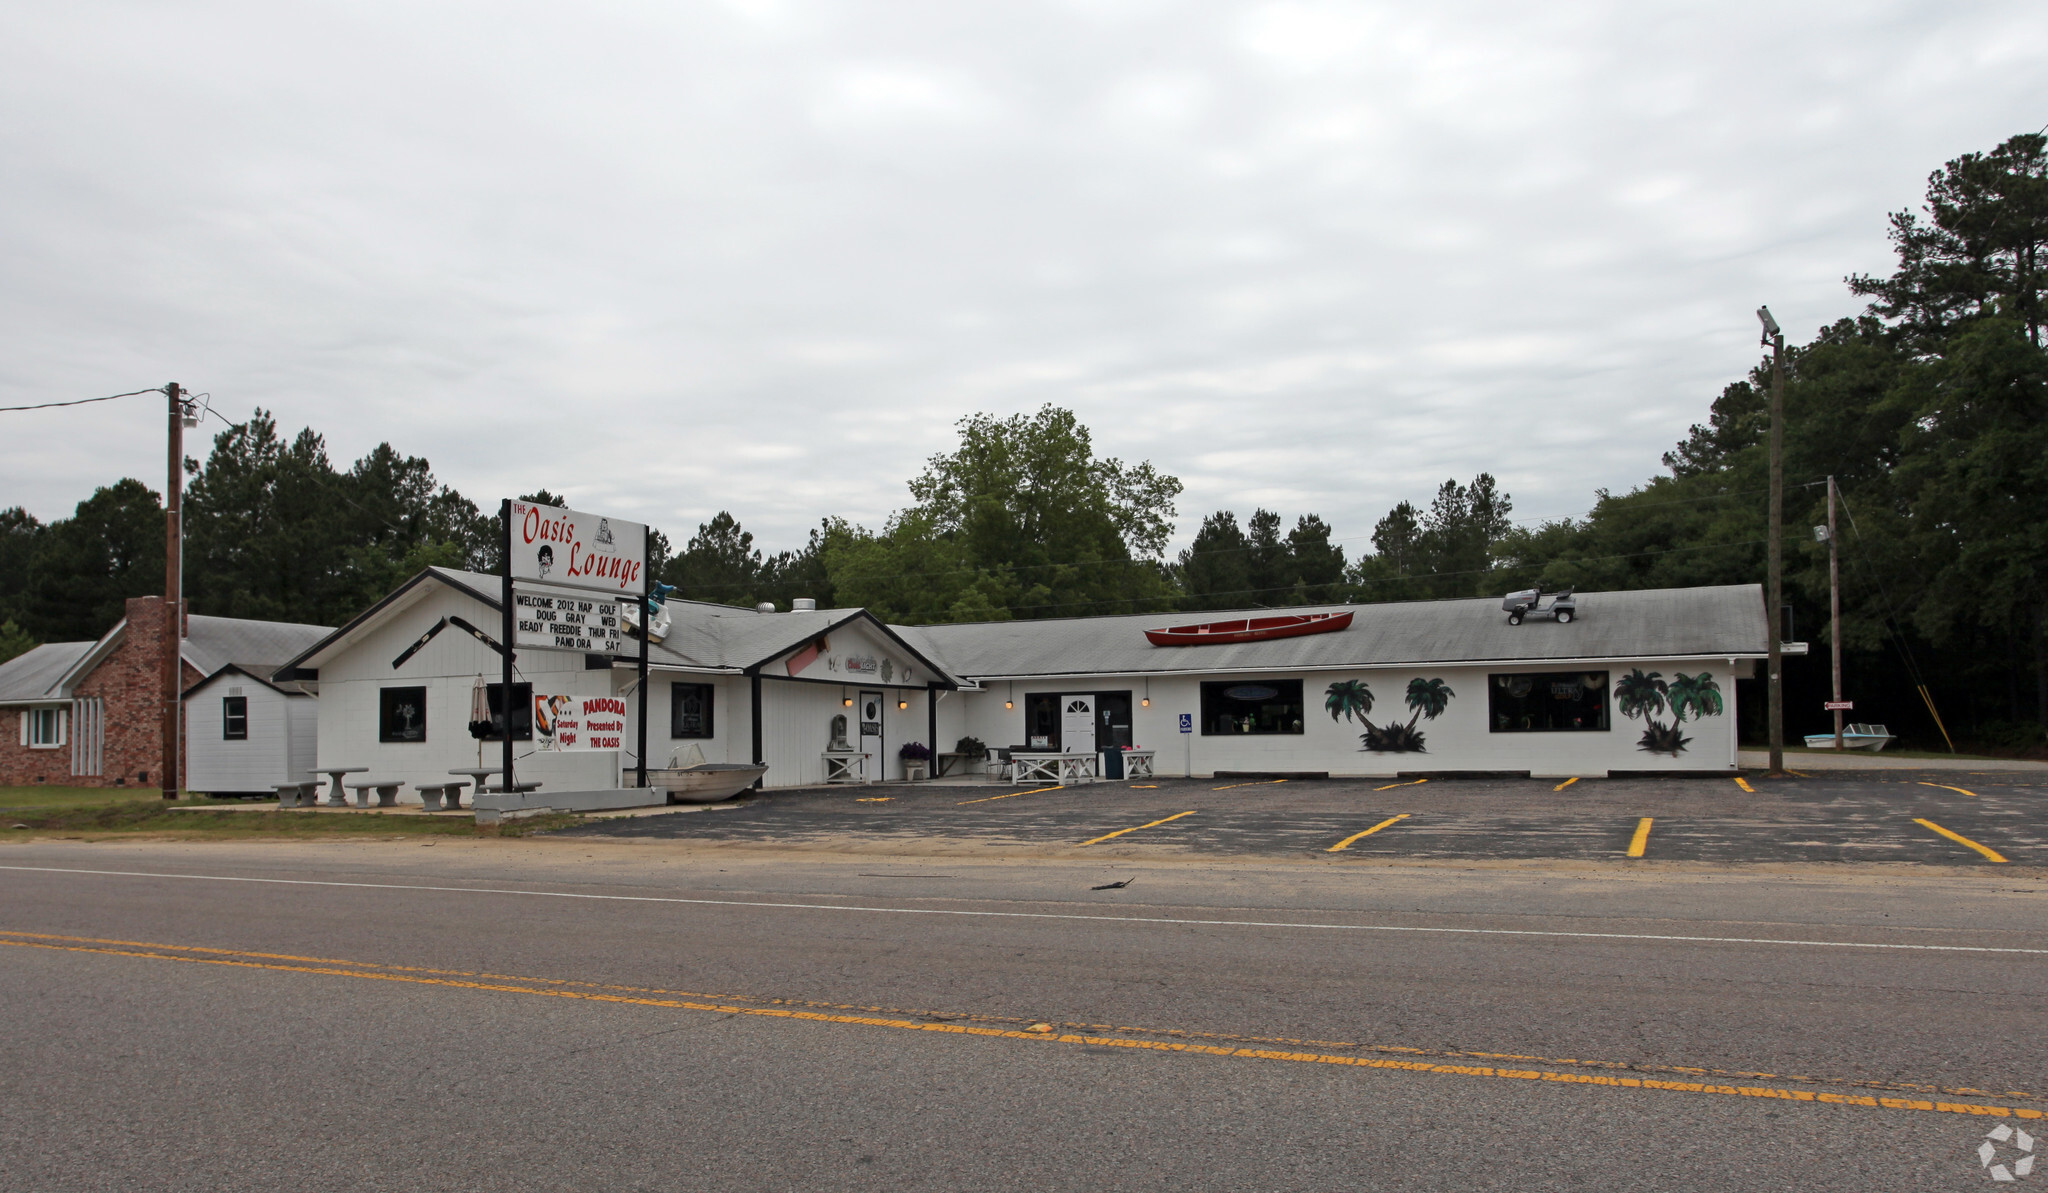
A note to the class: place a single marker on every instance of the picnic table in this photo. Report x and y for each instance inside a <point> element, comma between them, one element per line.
<point>336,797</point>
<point>1064,767</point>
<point>941,763</point>
<point>386,789</point>
<point>477,774</point>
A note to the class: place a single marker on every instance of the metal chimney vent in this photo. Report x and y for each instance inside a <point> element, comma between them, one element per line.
<point>765,607</point>
<point>804,605</point>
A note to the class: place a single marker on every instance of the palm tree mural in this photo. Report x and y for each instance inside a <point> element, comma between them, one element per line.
<point>1644,696</point>
<point>1352,699</point>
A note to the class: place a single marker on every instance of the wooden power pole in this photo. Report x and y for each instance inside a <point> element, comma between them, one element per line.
<point>1775,582</point>
<point>174,619</point>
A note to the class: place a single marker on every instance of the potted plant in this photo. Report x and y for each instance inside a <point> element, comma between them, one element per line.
<point>917,760</point>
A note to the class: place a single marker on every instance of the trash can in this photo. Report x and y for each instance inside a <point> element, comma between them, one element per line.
<point>1112,764</point>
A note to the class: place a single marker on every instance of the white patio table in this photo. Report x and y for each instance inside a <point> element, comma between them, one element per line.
<point>1138,764</point>
<point>1052,766</point>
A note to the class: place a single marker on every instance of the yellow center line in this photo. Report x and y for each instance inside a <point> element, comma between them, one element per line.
<point>1253,783</point>
<point>1744,784</point>
<point>1566,783</point>
<point>1946,787</point>
<point>1134,828</point>
<point>1346,842</point>
<point>519,986</point>
<point>1960,839</point>
<point>1012,795</point>
<point>1641,840</point>
<point>1409,783</point>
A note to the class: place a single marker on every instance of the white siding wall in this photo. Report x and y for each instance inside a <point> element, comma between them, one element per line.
<point>732,738</point>
<point>277,750</point>
<point>1457,740</point>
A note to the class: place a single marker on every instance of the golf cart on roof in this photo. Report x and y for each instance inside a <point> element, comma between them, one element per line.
<point>1529,603</point>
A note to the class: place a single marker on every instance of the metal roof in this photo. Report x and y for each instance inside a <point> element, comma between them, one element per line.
<point>36,676</point>
<point>1720,622</point>
<point>258,646</point>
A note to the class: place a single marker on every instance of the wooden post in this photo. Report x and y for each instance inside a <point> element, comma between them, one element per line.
<point>1835,608</point>
<point>1774,598</point>
<point>174,536</point>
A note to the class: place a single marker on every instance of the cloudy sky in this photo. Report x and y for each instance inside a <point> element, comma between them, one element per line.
<point>678,256</point>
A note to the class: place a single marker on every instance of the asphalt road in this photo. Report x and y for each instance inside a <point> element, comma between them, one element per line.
<point>678,1014</point>
<point>1896,817</point>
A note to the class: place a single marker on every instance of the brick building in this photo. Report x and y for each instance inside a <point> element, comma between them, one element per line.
<point>85,714</point>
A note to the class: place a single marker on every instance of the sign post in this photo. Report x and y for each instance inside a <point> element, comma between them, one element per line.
<point>604,560</point>
<point>508,631</point>
<point>1187,745</point>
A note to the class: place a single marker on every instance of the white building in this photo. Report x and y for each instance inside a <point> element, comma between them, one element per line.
<point>1640,681</point>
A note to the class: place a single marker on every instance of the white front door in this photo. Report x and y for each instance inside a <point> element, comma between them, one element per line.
<point>870,710</point>
<point>1077,724</point>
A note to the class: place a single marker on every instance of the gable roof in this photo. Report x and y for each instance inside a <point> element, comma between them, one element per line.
<point>35,677</point>
<point>1681,623</point>
<point>702,637</point>
<point>212,643</point>
<point>259,672</point>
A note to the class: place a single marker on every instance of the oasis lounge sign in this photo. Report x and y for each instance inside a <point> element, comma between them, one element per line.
<point>570,549</point>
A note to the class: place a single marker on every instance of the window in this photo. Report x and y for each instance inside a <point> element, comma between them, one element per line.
<point>234,718</point>
<point>1257,706</point>
<point>522,713</point>
<point>402,714</point>
<point>1547,702</point>
<point>45,728</point>
<point>689,710</point>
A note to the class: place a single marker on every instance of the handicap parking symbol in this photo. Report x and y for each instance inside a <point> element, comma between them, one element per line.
<point>1187,722</point>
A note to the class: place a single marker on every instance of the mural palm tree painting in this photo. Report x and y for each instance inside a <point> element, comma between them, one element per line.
<point>1352,699</point>
<point>1644,696</point>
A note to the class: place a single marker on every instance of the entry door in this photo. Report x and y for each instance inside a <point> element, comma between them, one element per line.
<point>1077,724</point>
<point>871,733</point>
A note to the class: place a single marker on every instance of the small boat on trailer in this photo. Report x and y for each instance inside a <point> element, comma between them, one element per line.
<point>1249,629</point>
<point>704,784</point>
<point>1854,737</point>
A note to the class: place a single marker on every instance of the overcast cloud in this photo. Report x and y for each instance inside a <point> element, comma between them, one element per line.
<point>669,258</point>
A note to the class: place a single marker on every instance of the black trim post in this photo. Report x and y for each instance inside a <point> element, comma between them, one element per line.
<point>509,629</point>
<point>646,645</point>
<point>931,708</point>
<point>755,718</point>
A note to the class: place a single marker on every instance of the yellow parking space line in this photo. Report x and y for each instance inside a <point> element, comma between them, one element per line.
<point>1744,784</point>
<point>1802,774</point>
<point>1641,840</point>
<point>1946,787</point>
<point>1253,783</point>
<point>1346,842</point>
<point>1960,839</point>
<point>1566,783</point>
<point>1011,795</point>
<point>1134,828</point>
<point>1144,786</point>
<point>874,799</point>
<point>1409,783</point>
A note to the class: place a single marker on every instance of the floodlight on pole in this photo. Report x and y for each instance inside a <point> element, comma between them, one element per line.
<point>1774,599</point>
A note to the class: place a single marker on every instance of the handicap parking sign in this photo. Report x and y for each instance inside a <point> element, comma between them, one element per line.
<point>1187,722</point>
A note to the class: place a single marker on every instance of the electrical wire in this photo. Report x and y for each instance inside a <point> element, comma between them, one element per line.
<point>82,401</point>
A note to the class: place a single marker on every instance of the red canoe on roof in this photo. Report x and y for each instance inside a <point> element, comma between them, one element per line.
<point>1249,629</point>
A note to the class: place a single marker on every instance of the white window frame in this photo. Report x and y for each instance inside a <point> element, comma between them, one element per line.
<point>31,721</point>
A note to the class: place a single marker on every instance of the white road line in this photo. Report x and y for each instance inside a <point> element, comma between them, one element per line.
<point>1044,915</point>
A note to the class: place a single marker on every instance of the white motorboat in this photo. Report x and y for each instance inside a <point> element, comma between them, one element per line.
<point>1854,737</point>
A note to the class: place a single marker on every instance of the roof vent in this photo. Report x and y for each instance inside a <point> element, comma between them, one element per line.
<point>804,605</point>
<point>765,607</point>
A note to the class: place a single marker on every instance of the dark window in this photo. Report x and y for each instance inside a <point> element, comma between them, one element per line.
<point>522,714</point>
<point>1547,701</point>
<point>234,718</point>
<point>1251,706</point>
<point>1042,721</point>
<point>689,710</point>
<point>402,714</point>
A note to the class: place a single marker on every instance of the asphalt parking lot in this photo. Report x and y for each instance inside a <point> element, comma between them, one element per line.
<point>1944,818</point>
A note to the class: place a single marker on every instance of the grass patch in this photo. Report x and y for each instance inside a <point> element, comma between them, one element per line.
<point>153,816</point>
<point>49,795</point>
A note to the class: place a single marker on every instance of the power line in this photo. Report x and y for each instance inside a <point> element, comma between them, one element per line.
<point>82,401</point>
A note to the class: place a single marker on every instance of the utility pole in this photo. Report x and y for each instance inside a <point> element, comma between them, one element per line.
<point>174,621</point>
<point>1835,609</point>
<point>1774,598</point>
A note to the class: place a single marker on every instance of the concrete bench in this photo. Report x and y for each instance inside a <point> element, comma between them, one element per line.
<point>386,789</point>
<point>432,795</point>
<point>297,795</point>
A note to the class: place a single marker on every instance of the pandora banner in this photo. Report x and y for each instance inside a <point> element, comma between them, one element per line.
<point>565,723</point>
<point>578,550</point>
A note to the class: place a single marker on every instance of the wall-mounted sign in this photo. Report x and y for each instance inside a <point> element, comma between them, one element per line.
<point>1187,722</point>
<point>578,550</point>
<point>566,621</point>
<point>1840,706</point>
<point>565,723</point>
